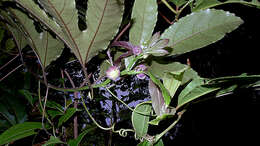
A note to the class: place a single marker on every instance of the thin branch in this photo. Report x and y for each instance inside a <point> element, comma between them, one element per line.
<point>9,62</point>
<point>11,72</point>
<point>165,18</point>
<point>122,32</point>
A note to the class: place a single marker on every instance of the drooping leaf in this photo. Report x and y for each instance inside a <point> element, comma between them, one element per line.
<point>103,20</point>
<point>163,90</point>
<point>200,29</point>
<point>140,121</point>
<point>69,113</point>
<point>76,142</point>
<point>205,4</point>
<point>156,97</point>
<point>144,14</point>
<point>19,131</point>
<point>194,90</point>
<point>46,47</point>
<point>53,140</point>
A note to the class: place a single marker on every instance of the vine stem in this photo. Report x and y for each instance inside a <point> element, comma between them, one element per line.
<point>121,132</point>
<point>145,114</point>
<point>92,118</point>
<point>169,6</point>
<point>75,119</point>
<point>158,137</point>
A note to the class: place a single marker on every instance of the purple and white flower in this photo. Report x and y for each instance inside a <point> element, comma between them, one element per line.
<point>113,73</point>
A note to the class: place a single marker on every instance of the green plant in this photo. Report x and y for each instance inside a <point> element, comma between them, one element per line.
<point>48,26</point>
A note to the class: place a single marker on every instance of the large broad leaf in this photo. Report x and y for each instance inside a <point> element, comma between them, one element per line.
<point>205,4</point>
<point>19,131</point>
<point>140,121</point>
<point>145,16</point>
<point>46,47</point>
<point>194,90</point>
<point>200,29</point>
<point>103,20</point>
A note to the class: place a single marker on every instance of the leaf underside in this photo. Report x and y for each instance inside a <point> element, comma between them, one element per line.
<point>103,20</point>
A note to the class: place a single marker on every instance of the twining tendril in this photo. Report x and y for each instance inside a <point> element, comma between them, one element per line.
<point>121,132</point>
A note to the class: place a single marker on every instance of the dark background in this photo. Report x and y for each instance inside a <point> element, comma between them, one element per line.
<point>233,118</point>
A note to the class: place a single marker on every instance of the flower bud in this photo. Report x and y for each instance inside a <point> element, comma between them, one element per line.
<point>141,67</point>
<point>137,50</point>
<point>113,73</point>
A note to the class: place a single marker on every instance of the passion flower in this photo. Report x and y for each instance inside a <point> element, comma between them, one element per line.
<point>141,67</point>
<point>113,73</point>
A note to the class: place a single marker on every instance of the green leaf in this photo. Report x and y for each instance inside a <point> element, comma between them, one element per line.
<point>27,95</point>
<point>173,80</point>
<point>200,29</point>
<point>54,113</point>
<point>53,140</point>
<point>158,119</point>
<point>147,143</point>
<point>103,68</point>
<point>194,90</point>
<point>140,121</point>
<point>54,105</point>
<point>46,47</point>
<point>19,131</point>
<point>205,4</point>
<point>243,77</point>
<point>69,113</point>
<point>76,142</point>
<point>144,14</point>
<point>9,45</point>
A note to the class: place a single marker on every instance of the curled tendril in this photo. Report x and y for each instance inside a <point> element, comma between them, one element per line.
<point>123,132</point>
